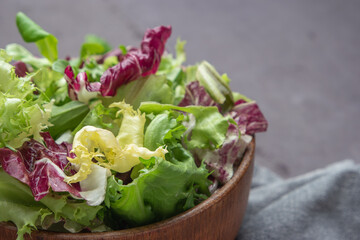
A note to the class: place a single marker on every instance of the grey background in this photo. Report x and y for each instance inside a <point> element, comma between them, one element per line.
<point>299,59</point>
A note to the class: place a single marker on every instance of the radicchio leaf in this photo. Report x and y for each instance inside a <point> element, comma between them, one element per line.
<point>249,117</point>
<point>136,63</point>
<point>40,167</point>
<point>20,69</point>
<point>115,52</point>
<point>80,88</point>
<point>196,95</point>
<point>220,161</point>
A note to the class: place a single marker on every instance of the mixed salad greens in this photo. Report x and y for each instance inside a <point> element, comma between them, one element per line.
<point>114,138</point>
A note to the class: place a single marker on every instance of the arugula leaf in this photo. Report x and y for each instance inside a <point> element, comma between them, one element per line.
<point>31,32</point>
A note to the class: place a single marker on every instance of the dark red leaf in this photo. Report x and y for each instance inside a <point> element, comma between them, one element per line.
<point>39,166</point>
<point>137,62</point>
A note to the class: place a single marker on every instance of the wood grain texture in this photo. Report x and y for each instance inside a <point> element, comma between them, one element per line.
<point>218,217</point>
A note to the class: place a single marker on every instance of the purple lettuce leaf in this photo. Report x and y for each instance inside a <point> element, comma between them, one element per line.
<point>115,52</point>
<point>137,62</point>
<point>249,120</point>
<point>40,167</point>
<point>249,117</point>
<point>80,88</point>
<point>221,160</point>
<point>196,95</point>
<point>20,69</point>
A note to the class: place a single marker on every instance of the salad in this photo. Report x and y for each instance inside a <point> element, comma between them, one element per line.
<point>116,137</point>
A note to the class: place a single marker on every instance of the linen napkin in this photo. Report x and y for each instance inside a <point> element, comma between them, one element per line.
<point>323,204</point>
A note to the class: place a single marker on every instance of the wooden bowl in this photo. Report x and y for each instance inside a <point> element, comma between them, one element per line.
<point>218,217</point>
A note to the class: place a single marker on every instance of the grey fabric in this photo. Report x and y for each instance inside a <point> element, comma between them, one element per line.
<point>323,204</point>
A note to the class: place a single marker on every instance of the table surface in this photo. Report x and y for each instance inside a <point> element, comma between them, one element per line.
<point>300,60</point>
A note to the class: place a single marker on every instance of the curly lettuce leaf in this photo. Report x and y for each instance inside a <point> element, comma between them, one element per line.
<point>160,191</point>
<point>11,84</point>
<point>52,84</point>
<point>162,129</point>
<point>161,188</point>
<point>20,53</point>
<point>100,117</point>
<point>172,68</point>
<point>22,114</point>
<point>208,127</point>
<point>120,153</point>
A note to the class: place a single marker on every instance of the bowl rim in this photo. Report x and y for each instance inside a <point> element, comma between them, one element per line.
<point>216,197</point>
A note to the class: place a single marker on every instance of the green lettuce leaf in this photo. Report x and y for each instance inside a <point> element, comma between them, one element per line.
<point>172,68</point>
<point>161,188</point>
<point>151,88</point>
<point>19,53</point>
<point>208,129</point>
<point>31,32</point>
<point>160,191</point>
<point>162,129</point>
<point>67,117</point>
<point>52,84</point>
<point>18,206</point>
<point>22,114</point>
<point>94,45</point>
<point>100,117</point>
<point>215,85</point>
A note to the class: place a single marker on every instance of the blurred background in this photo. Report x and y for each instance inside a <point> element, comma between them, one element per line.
<point>300,60</point>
